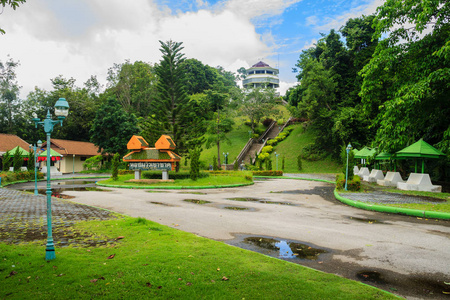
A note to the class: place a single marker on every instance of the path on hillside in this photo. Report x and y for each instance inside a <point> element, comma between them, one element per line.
<point>257,146</point>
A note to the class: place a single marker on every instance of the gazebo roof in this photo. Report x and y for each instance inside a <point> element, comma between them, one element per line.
<point>22,151</point>
<point>383,156</point>
<point>419,149</point>
<point>365,153</point>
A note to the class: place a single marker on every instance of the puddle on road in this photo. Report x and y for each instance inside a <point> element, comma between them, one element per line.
<point>236,208</point>
<point>250,199</point>
<point>283,249</point>
<point>245,199</point>
<point>159,203</point>
<point>73,182</point>
<point>58,192</point>
<point>193,193</point>
<point>325,192</point>
<point>197,201</point>
<point>276,202</point>
<point>372,276</point>
<point>365,220</point>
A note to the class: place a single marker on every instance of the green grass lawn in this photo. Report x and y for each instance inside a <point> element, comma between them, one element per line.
<point>145,260</point>
<point>231,178</point>
<point>291,147</point>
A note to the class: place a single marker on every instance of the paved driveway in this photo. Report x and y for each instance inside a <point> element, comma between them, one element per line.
<point>407,255</point>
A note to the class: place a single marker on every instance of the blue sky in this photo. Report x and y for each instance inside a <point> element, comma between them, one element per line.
<point>80,38</point>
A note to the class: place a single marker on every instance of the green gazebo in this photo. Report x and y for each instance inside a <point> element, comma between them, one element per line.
<point>421,150</point>
<point>365,153</point>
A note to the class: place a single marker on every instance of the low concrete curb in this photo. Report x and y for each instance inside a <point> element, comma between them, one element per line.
<point>394,210</point>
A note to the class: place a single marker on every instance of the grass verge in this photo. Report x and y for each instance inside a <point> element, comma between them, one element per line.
<point>212,180</point>
<point>148,260</point>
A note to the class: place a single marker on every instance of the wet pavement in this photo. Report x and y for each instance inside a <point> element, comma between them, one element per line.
<point>404,255</point>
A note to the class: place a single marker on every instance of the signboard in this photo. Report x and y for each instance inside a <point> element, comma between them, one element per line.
<point>150,166</point>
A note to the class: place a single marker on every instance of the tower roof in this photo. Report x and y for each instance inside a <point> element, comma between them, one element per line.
<point>260,64</point>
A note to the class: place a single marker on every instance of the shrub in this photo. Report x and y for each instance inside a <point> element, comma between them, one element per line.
<point>236,165</point>
<point>352,185</point>
<point>30,162</point>
<point>268,173</point>
<point>115,167</point>
<point>6,161</point>
<point>17,160</point>
<point>267,149</point>
<point>272,142</point>
<point>215,165</point>
<point>93,162</point>
<point>8,177</point>
<point>299,162</point>
<point>283,158</point>
<point>194,170</point>
<point>268,164</point>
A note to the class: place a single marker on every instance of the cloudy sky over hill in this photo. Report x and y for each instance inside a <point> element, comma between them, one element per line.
<point>86,37</point>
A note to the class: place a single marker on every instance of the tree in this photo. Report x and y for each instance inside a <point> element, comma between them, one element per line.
<point>9,91</point>
<point>112,128</point>
<point>405,86</point>
<point>13,3</point>
<point>6,161</point>
<point>258,103</point>
<point>134,86</point>
<point>172,112</point>
<point>218,126</point>
<point>194,170</point>
<point>17,160</point>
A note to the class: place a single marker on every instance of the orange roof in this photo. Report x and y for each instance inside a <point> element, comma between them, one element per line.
<point>137,142</point>
<point>10,141</point>
<point>165,142</point>
<point>67,147</point>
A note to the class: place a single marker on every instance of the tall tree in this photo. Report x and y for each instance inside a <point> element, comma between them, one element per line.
<point>258,103</point>
<point>173,113</point>
<point>9,96</point>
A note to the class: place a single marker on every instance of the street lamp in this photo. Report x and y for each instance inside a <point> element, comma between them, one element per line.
<point>277,154</point>
<point>349,147</point>
<point>249,134</point>
<point>73,164</point>
<point>61,112</point>
<point>226,158</point>
<point>39,145</point>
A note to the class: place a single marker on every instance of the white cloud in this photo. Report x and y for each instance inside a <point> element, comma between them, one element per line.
<point>335,22</point>
<point>259,8</point>
<point>40,37</point>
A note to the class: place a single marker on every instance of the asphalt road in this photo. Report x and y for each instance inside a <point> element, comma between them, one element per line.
<point>405,255</point>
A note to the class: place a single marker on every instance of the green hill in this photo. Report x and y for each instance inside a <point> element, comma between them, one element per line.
<point>292,146</point>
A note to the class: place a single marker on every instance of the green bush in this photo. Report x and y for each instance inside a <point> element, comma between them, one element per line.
<point>267,149</point>
<point>8,177</point>
<point>352,185</point>
<point>194,170</point>
<point>6,161</point>
<point>17,160</point>
<point>268,173</point>
<point>115,167</point>
<point>283,159</point>
<point>299,162</point>
<point>93,162</point>
<point>272,142</point>
<point>215,165</point>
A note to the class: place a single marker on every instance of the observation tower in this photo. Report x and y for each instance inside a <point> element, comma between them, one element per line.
<point>261,75</point>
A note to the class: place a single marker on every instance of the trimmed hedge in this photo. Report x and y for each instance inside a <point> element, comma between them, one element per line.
<point>268,173</point>
<point>124,172</point>
<point>352,185</point>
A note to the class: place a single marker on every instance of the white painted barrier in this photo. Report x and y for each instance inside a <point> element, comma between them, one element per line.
<point>419,182</point>
<point>363,172</point>
<point>391,179</point>
<point>374,176</point>
<point>355,170</point>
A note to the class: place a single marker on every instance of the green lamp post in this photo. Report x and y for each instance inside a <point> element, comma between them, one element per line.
<point>226,157</point>
<point>61,112</point>
<point>349,147</point>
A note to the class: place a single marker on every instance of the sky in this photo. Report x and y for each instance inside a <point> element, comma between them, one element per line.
<point>81,38</point>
